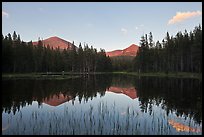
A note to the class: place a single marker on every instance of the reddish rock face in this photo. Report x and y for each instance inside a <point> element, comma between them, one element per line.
<point>129,51</point>
<point>130,91</point>
<point>55,42</point>
<point>56,100</point>
<point>182,128</point>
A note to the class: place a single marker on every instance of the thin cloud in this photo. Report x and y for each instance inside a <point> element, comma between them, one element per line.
<point>136,28</point>
<point>124,31</point>
<point>5,14</point>
<point>182,16</point>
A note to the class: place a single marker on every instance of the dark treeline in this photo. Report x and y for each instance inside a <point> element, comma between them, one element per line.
<point>173,94</point>
<point>18,93</point>
<point>180,95</point>
<point>122,63</point>
<point>182,53</point>
<point>19,56</point>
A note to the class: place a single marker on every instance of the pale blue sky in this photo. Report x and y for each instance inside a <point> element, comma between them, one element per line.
<point>107,25</point>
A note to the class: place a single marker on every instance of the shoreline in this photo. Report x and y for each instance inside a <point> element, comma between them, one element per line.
<point>161,74</point>
<point>69,75</point>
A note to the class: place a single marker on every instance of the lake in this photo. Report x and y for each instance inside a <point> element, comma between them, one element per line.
<point>102,104</point>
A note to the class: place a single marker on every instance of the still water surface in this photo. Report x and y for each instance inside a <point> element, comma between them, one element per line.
<point>102,104</point>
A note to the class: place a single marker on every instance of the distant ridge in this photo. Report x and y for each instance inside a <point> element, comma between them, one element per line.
<point>129,51</point>
<point>55,42</point>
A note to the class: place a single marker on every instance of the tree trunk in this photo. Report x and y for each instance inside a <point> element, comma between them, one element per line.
<point>181,63</point>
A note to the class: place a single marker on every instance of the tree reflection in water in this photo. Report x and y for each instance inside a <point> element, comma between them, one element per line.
<point>160,100</point>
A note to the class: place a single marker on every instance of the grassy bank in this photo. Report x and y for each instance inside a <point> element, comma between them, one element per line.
<point>38,76</point>
<point>69,75</point>
<point>50,75</point>
<point>176,75</point>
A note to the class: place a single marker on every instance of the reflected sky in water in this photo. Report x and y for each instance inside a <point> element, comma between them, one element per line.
<point>112,108</point>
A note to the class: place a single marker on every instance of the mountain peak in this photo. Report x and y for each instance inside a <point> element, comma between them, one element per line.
<point>129,51</point>
<point>56,42</point>
<point>55,38</point>
<point>132,46</point>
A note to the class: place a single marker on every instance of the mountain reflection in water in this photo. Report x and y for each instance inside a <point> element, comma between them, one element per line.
<point>56,100</point>
<point>181,127</point>
<point>146,105</point>
<point>130,91</point>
